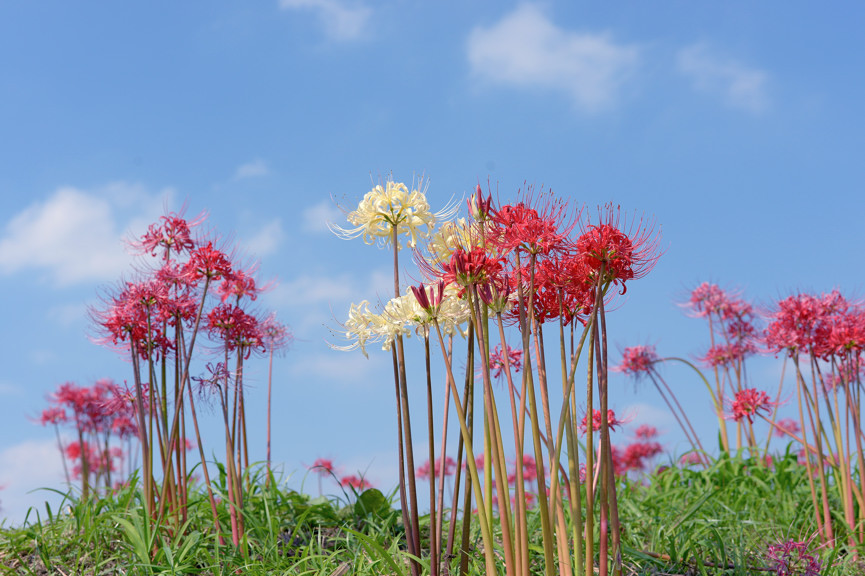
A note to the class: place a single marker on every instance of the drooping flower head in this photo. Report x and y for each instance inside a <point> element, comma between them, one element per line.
<point>392,206</point>
<point>624,252</point>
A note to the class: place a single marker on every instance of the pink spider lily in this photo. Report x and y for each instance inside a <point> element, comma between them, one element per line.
<point>612,421</point>
<point>749,402</point>
<point>356,482</point>
<point>637,360</point>
<point>172,234</point>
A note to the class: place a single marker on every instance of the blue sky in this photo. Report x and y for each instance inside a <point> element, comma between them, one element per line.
<point>737,126</point>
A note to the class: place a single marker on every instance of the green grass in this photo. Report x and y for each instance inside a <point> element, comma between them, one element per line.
<point>718,521</point>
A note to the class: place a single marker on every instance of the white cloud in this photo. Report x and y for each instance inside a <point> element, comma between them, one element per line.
<point>76,235</point>
<point>253,169</point>
<point>527,50</point>
<point>307,290</point>
<point>266,241</point>
<point>738,85</point>
<point>26,467</point>
<point>341,21</point>
<point>315,218</point>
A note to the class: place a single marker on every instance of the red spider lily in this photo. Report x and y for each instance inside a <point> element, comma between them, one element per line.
<point>172,234</point>
<point>646,431</point>
<point>562,288</point>
<point>236,328</point>
<point>497,360</point>
<point>530,468</point>
<point>707,299</point>
<point>216,375</point>
<point>798,324</point>
<point>634,457</point>
<point>425,472</point>
<point>637,360</point>
<point>786,426</point>
<point>722,355</point>
<point>539,225</point>
<point>692,458</point>
<point>749,402</point>
<point>135,316</point>
<point>91,407</point>
<point>207,262</point>
<point>596,421</point>
<point>53,415</point>
<point>275,335</point>
<point>98,460</point>
<point>322,467</point>
<point>355,482</point>
<point>846,333</point>
<point>239,284</point>
<point>623,255</point>
<point>471,268</point>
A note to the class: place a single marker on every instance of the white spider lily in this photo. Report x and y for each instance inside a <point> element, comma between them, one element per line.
<point>400,316</point>
<point>393,206</point>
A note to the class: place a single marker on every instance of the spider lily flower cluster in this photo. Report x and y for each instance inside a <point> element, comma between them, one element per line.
<point>104,424</point>
<point>823,337</point>
<point>185,289</point>
<point>528,264</point>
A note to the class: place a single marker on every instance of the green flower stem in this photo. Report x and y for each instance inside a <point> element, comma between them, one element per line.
<point>489,555</point>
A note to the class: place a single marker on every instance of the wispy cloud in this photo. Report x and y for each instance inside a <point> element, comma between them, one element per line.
<point>253,169</point>
<point>315,218</point>
<point>342,21</point>
<point>265,241</point>
<point>310,289</point>
<point>76,235</point>
<point>527,50</point>
<point>738,85</point>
